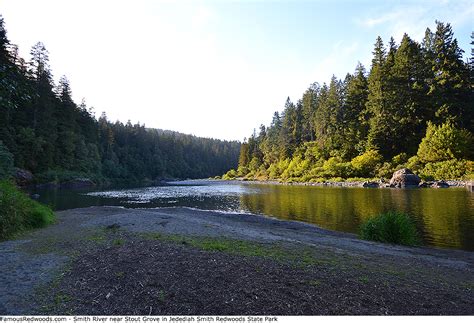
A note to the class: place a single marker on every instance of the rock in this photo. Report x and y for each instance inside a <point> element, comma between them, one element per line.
<point>78,183</point>
<point>424,184</point>
<point>370,184</point>
<point>440,184</point>
<point>404,178</point>
<point>23,177</point>
<point>35,196</point>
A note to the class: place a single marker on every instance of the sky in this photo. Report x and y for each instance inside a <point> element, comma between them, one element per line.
<point>213,68</point>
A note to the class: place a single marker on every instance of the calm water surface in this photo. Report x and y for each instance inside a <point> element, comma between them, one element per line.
<point>445,217</point>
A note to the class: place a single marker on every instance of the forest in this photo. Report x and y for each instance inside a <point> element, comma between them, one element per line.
<point>414,108</point>
<point>44,131</point>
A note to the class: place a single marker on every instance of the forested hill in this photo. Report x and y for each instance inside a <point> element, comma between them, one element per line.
<point>413,108</point>
<point>44,131</point>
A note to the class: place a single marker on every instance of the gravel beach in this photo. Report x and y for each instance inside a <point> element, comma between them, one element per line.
<point>178,261</point>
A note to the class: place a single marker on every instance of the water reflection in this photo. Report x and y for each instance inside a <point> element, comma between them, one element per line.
<point>445,217</point>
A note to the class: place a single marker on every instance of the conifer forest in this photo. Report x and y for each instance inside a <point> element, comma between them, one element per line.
<point>44,131</point>
<point>414,107</point>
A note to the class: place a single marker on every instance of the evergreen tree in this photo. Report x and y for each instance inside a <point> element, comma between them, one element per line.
<point>450,90</point>
<point>309,106</point>
<point>355,120</point>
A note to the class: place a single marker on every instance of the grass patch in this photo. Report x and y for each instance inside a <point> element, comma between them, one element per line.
<point>98,238</point>
<point>161,296</point>
<point>391,227</point>
<point>302,257</point>
<point>364,279</point>
<point>239,247</point>
<point>118,242</point>
<point>19,213</point>
<point>314,282</point>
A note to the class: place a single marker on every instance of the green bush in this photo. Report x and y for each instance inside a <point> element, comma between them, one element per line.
<point>18,212</point>
<point>386,170</point>
<point>366,164</point>
<point>445,142</point>
<point>390,227</point>
<point>449,169</point>
<point>414,164</point>
<point>335,167</point>
<point>232,174</point>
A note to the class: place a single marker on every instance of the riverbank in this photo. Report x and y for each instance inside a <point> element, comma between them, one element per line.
<point>369,183</point>
<point>113,261</point>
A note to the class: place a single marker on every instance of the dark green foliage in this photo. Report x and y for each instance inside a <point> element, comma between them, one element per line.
<point>50,135</point>
<point>390,227</point>
<point>18,212</point>
<point>369,125</point>
<point>6,162</point>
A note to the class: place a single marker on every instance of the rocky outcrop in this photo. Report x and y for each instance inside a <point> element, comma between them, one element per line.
<point>404,178</point>
<point>23,177</point>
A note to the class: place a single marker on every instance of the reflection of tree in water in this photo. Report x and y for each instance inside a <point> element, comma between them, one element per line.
<point>443,216</point>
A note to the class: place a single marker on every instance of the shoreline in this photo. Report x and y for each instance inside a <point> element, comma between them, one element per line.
<point>364,184</point>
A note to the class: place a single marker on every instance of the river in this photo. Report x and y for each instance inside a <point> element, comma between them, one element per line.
<point>444,217</point>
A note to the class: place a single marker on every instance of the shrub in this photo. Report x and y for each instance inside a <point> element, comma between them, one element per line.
<point>366,164</point>
<point>399,159</point>
<point>254,164</point>
<point>232,174</point>
<point>18,212</point>
<point>445,142</point>
<point>414,164</point>
<point>390,227</point>
<point>296,168</point>
<point>449,169</point>
<point>386,170</point>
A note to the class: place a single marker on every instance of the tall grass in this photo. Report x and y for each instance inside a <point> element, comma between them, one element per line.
<point>18,212</point>
<point>391,227</point>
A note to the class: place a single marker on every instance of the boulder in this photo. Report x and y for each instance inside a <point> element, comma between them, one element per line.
<point>404,178</point>
<point>424,184</point>
<point>23,177</point>
<point>370,184</point>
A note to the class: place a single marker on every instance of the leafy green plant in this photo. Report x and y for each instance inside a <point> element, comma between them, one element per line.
<point>18,212</point>
<point>366,164</point>
<point>449,169</point>
<point>445,142</point>
<point>391,227</point>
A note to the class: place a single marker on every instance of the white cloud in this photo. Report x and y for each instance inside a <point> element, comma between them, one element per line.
<point>414,18</point>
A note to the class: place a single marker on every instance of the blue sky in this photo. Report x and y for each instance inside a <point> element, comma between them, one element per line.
<point>213,68</point>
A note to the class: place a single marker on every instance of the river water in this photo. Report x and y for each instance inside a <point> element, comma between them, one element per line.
<point>445,217</point>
